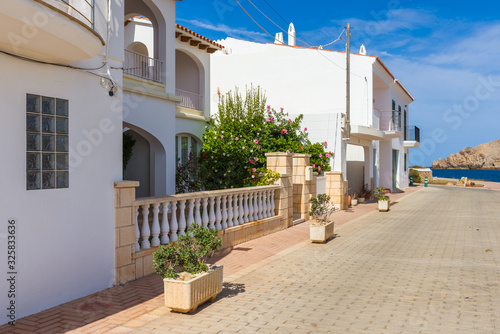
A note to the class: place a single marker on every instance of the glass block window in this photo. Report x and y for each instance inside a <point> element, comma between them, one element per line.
<point>47,143</point>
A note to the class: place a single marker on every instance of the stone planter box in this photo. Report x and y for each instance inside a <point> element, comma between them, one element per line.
<point>383,206</point>
<point>321,233</point>
<point>361,200</point>
<point>186,296</point>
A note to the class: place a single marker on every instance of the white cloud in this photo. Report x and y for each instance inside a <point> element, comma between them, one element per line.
<point>241,33</point>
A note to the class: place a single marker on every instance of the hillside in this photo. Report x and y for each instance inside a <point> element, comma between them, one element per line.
<point>485,156</point>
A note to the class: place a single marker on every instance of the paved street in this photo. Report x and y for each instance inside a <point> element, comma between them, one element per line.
<point>429,265</point>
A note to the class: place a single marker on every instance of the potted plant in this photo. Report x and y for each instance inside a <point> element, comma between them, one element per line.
<point>188,280</point>
<point>321,209</point>
<point>354,199</point>
<point>383,201</point>
<point>365,193</point>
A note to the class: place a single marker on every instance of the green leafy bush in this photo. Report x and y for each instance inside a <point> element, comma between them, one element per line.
<point>188,254</point>
<point>235,142</point>
<point>187,178</point>
<point>321,207</point>
<point>380,194</point>
<point>416,176</point>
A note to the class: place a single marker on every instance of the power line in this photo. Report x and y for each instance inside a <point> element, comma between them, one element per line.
<point>250,16</point>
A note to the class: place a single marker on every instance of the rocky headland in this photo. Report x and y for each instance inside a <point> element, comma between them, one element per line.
<point>485,156</point>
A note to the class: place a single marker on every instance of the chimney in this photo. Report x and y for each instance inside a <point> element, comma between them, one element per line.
<point>279,38</point>
<point>291,35</point>
<point>362,50</point>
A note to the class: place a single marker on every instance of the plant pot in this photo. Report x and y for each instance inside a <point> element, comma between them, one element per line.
<point>186,296</point>
<point>321,233</point>
<point>361,200</point>
<point>354,201</point>
<point>384,206</point>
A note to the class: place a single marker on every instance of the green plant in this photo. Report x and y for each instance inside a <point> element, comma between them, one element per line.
<point>239,135</point>
<point>188,254</point>
<point>380,194</point>
<point>416,175</point>
<point>265,178</point>
<point>321,207</point>
<point>128,146</point>
<point>365,190</point>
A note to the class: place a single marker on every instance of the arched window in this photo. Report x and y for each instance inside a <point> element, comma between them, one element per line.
<point>185,144</point>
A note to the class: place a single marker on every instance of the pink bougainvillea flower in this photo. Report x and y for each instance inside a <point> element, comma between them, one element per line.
<point>222,136</point>
<point>305,129</point>
<point>283,131</point>
<point>287,114</point>
<point>287,151</point>
<point>237,138</point>
<point>256,159</point>
<point>251,161</point>
<point>319,168</point>
<point>254,169</point>
<point>321,155</point>
<point>258,146</point>
<point>268,107</point>
<point>290,121</point>
<point>302,147</point>
<point>313,166</point>
<point>321,163</point>
<point>327,155</point>
<point>260,173</point>
<point>272,119</point>
<point>282,108</point>
<point>325,143</point>
<point>268,120</point>
<point>256,141</point>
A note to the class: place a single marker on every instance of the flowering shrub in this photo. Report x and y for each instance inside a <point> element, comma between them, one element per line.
<point>235,143</point>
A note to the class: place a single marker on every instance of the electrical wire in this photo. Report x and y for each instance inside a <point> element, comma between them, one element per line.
<point>250,16</point>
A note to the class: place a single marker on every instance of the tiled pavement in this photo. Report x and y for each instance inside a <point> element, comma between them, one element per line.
<point>426,266</point>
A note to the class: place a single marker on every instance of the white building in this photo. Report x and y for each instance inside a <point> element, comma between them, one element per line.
<point>62,131</point>
<point>313,82</point>
<point>168,114</point>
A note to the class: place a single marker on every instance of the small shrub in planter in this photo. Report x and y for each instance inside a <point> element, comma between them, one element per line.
<point>188,280</point>
<point>321,209</point>
<point>383,200</point>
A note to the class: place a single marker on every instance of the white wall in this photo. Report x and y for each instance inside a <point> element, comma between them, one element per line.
<point>140,30</point>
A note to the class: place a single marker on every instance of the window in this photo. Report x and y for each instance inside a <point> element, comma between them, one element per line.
<point>406,167</point>
<point>47,143</point>
<point>399,117</point>
<point>184,145</point>
<point>393,120</point>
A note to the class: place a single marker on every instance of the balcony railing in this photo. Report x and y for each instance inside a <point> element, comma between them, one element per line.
<point>190,100</point>
<point>143,66</point>
<point>413,133</point>
<point>390,120</point>
<point>82,10</point>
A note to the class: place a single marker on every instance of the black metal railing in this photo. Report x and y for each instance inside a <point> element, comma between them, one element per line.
<point>413,133</point>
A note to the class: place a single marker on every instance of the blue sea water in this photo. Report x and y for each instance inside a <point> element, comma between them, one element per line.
<point>475,174</point>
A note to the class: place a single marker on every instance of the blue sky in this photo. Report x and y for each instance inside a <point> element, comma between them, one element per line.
<point>446,53</point>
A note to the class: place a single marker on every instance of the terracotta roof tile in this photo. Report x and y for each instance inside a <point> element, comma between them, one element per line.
<point>199,36</point>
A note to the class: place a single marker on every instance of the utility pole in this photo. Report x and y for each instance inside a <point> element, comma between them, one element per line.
<point>348,81</point>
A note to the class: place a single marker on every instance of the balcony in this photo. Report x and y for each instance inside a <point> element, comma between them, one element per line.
<point>58,31</point>
<point>390,123</point>
<point>413,137</point>
<point>190,100</point>
<point>143,67</point>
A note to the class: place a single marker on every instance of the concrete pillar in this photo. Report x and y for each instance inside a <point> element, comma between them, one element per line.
<point>283,164</point>
<point>337,189</point>
<point>124,231</point>
<point>302,190</point>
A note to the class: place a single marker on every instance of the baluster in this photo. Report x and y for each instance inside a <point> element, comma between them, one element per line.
<point>264,205</point>
<point>173,221</point>
<point>155,227</point>
<point>197,215</point>
<point>204,216</point>
<point>273,204</point>
<point>137,231</point>
<point>241,220</point>
<point>182,217</point>
<point>256,205</point>
<point>259,210</point>
<point>245,208</point>
<point>164,224</point>
<point>236,212</point>
<point>211,215</point>
<point>230,211</point>
<point>190,218</point>
<point>224,212</point>
<point>268,204</point>
<point>145,232</point>
<point>218,216</point>
<point>250,208</point>
<point>270,211</point>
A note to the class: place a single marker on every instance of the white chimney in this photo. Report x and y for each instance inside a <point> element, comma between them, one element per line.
<point>291,35</point>
<point>279,38</point>
<point>362,50</point>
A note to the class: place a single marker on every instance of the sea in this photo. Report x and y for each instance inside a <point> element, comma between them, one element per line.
<point>475,174</point>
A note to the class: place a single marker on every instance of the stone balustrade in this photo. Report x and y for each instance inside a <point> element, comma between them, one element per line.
<point>170,216</point>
